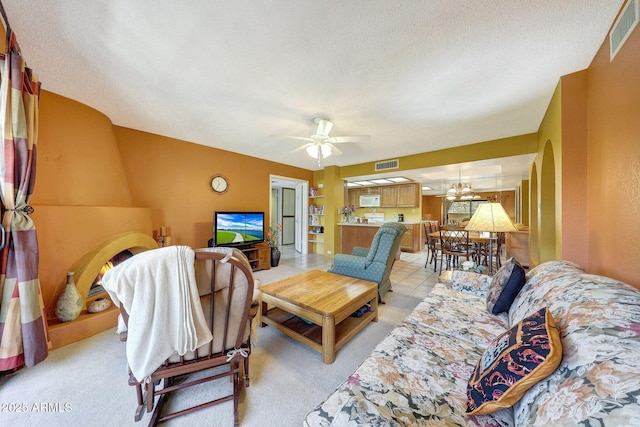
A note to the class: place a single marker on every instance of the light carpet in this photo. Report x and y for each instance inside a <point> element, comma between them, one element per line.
<point>85,383</point>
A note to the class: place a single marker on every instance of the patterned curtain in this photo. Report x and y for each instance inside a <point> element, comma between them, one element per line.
<point>23,329</point>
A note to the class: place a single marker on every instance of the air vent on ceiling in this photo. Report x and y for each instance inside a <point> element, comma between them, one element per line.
<point>623,27</point>
<point>389,164</point>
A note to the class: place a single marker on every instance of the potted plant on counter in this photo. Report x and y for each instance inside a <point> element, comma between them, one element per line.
<point>346,211</point>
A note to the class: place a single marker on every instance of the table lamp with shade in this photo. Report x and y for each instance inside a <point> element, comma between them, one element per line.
<point>491,217</point>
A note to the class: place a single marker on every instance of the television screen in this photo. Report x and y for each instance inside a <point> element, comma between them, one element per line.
<point>238,228</point>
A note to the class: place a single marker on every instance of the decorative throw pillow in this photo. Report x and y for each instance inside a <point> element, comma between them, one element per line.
<point>470,283</point>
<point>505,286</point>
<point>517,359</point>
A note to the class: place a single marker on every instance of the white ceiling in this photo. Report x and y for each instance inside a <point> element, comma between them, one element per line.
<point>415,75</point>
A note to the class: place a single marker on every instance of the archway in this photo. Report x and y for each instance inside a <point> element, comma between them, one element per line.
<point>534,216</point>
<point>547,241</point>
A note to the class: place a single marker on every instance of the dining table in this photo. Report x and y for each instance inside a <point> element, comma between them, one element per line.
<point>475,238</point>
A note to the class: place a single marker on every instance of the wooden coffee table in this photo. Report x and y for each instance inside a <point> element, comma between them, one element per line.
<point>326,301</point>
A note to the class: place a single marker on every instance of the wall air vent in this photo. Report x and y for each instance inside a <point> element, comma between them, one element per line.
<point>388,164</point>
<point>623,27</point>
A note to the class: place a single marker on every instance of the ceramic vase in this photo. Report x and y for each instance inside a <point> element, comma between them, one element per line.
<point>275,257</point>
<point>69,305</point>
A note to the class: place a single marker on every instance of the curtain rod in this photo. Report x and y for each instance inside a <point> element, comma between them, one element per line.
<point>4,17</point>
<point>9,31</point>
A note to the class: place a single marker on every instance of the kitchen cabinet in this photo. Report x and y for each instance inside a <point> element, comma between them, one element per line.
<point>389,196</point>
<point>355,193</point>
<point>411,239</point>
<point>354,196</point>
<point>409,195</point>
<point>370,190</point>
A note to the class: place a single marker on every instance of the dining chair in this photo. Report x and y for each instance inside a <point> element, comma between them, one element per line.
<point>454,244</point>
<point>496,251</point>
<point>433,244</point>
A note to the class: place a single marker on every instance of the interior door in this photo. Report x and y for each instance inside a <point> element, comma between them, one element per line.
<point>288,216</point>
<point>301,245</point>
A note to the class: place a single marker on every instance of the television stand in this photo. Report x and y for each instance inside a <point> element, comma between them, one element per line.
<point>259,256</point>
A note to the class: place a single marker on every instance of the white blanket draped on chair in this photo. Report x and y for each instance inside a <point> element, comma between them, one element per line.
<point>158,289</point>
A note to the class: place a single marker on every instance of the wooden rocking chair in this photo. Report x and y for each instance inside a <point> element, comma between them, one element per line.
<point>226,287</point>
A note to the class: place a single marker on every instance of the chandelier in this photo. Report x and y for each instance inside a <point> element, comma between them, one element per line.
<point>461,191</point>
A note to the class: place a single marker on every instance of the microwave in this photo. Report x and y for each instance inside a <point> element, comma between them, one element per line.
<point>370,201</point>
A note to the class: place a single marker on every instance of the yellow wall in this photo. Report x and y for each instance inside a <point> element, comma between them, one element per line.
<point>505,147</point>
<point>549,192</point>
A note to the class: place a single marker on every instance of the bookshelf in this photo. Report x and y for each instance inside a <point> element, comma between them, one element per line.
<point>316,218</point>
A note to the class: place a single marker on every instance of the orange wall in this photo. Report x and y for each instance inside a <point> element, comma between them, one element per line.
<point>613,162</point>
<point>95,180</point>
<point>81,196</point>
<point>574,163</point>
<point>78,157</point>
<point>172,178</point>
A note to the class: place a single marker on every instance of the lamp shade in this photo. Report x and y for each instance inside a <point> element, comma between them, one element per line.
<point>491,217</point>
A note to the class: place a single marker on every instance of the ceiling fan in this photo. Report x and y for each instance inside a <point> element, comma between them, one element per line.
<point>320,145</point>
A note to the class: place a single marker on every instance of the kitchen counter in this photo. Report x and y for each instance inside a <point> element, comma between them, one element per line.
<point>353,234</point>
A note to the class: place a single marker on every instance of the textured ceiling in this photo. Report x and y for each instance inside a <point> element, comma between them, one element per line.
<point>416,75</point>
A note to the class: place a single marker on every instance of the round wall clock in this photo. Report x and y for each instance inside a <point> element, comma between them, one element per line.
<point>219,184</point>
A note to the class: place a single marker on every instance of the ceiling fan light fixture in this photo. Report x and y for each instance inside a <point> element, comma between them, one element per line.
<point>326,150</point>
<point>319,149</point>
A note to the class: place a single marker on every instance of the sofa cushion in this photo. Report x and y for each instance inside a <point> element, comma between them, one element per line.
<point>415,376</point>
<point>458,315</point>
<point>505,286</point>
<point>470,282</point>
<point>598,380</point>
<point>513,363</point>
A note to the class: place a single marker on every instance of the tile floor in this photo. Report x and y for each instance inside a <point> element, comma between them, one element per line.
<point>408,276</point>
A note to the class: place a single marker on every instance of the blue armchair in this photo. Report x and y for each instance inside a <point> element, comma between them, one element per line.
<point>374,263</point>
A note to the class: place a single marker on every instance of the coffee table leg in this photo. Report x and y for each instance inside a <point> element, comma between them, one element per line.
<point>328,340</point>
<point>263,311</point>
<point>374,307</point>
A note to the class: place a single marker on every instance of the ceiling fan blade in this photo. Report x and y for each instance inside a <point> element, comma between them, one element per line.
<point>334,149</point>
<point>352,138</point>
<point>303,138</point>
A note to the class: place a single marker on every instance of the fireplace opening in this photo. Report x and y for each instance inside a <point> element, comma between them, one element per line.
<point>96,287</point>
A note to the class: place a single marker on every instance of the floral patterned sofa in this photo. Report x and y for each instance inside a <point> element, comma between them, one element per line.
<point>418,374</point>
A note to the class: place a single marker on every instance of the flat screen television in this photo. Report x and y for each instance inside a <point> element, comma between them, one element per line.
<point>238,228</point>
